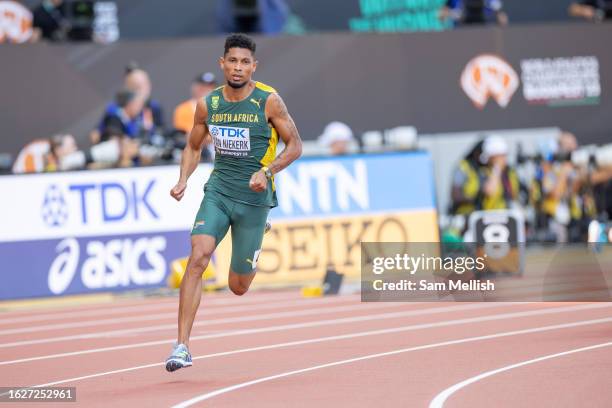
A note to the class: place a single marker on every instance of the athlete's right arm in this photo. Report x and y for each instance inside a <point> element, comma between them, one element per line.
<point>191,154</point>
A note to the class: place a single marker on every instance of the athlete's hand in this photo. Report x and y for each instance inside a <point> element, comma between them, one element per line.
<point>178,191</point>
<point>259,182</point>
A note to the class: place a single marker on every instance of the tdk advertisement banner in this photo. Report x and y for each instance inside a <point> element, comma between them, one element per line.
<point>93,231</point>
<point>112,230</point>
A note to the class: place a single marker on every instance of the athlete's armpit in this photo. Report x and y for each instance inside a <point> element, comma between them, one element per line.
<point>279,117</point>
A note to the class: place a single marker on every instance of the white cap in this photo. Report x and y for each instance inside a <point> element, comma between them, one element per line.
<point>493,146</point>
<point>335,132</point>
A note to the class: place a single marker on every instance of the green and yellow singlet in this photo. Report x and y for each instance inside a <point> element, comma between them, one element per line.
<point>244,142</point>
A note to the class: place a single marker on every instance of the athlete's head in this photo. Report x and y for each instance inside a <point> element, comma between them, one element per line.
<point>238,62</point>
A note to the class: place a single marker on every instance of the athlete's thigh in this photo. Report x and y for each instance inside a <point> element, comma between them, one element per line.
<point>213,218</point>
<point>248,225</point>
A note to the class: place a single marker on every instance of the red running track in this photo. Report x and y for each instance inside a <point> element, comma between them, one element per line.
<point>276,349</point>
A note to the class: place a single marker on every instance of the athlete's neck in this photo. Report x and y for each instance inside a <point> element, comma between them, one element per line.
<point>238,94</point>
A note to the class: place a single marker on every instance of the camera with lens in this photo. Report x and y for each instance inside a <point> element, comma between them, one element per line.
<point>163,147</point>
<point>592,155</point>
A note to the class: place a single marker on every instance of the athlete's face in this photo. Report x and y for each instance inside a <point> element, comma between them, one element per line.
<point>238,66</point>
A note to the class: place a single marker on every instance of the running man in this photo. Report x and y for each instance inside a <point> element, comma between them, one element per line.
<point>245,119</point>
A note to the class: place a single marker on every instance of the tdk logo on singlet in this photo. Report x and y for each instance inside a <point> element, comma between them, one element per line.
<point>226,131</point>
<point>231,141</point>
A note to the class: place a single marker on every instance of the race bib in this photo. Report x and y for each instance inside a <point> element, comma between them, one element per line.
<point>231,141</point>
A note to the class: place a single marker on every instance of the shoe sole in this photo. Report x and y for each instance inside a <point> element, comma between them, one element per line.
<point>173,365</point>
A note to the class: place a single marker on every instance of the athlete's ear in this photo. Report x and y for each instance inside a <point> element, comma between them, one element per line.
<point>254,65</point>
<point>221,61</point>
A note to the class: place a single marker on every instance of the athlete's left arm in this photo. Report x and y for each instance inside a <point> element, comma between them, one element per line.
<point>277,114</point>
<point>279,117</point>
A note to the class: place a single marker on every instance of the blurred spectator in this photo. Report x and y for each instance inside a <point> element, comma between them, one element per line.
<point>148,125</point>
<point>125,115</point>
<point>60,152</point>
<point>44,154</point>
<point>499,183</point>
<point>137,80</point>
<point>592,10</point>
<point>31,158</point>
<point>252,16</point>
<point>557,182</point>
<point>466,182</point>
<point>61,146</point>
<point>337,137</point>
<point>596,179</point>
<point>201,86</point>
<point>602,192</point>
<point>583,205</point>
<point>50,18</point>
<point>464,12</point>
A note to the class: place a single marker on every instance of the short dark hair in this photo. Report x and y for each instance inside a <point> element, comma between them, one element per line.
<point>239,41</point>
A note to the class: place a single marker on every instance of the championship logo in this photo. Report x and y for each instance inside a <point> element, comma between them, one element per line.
<point>15,22</point>
<point>489,76</point>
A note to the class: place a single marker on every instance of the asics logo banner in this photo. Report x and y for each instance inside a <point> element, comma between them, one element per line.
<point>489,76</point>
<point>107,264</point>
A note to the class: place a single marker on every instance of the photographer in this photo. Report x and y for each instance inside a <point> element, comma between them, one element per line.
<point>595,175</point>
<point>559,208</point>
<point>499,183</point>
<point>466,182</point>
<point>571,188</point>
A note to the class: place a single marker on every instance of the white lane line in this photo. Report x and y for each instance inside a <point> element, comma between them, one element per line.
<point>268,329</point>
<point>33,316</point>
<point>225,390</point>
<point>440,399</point>
<point>169,315</point>
<point>206,322</point>
<point>315,340</point>
<point>106,308</point>
<point>330,322</point>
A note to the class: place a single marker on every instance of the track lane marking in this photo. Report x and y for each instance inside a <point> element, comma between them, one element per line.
<point>225,390</point>
<point>440,399</point>
<point>207,322</point>
<point>167,315</point>
<point>318,340</point>
<point>112,308</point>
<point>268,329</point>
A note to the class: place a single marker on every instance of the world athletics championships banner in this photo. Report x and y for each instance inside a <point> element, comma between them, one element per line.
<point>112,230</point>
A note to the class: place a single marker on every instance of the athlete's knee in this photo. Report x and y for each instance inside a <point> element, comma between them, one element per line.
<point>198,260</point>
<point>238,289</point>
<point>239,284</point>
